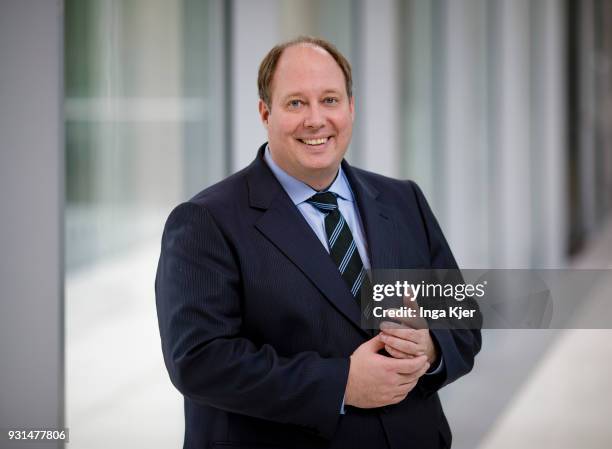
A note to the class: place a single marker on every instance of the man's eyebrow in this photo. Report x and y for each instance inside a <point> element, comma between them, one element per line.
<point>332,91</point>
<point>294,94</point>
<point>300,94</point>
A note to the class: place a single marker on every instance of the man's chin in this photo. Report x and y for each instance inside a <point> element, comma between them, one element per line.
<point>324,164</point>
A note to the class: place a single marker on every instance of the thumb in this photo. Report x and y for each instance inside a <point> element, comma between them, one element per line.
<point>374,344</point>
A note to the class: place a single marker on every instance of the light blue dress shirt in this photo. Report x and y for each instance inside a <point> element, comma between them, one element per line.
<point>300,192</point>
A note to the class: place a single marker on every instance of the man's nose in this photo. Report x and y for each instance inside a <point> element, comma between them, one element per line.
<point>314,117</point>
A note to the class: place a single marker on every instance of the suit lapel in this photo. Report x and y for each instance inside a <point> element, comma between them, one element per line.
<point>283,224</point>
<point>382,232</point>
<point>377,221</point>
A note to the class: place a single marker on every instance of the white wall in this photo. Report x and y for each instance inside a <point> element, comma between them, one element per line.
<point>31,201</point>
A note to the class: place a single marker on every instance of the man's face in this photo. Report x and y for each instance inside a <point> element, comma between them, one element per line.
<point>311,118</point>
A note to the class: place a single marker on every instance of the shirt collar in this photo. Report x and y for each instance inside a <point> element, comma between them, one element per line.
<point>298,191</point>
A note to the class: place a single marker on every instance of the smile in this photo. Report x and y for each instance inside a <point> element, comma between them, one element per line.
<point>314,141</point>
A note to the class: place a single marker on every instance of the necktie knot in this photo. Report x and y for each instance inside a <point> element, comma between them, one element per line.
<point>325,201</point>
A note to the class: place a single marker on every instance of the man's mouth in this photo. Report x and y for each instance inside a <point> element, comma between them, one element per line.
<point>315,142</point>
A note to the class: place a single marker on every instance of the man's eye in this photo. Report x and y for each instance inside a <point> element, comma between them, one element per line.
<point>295,103</point>
<point>330,100</point>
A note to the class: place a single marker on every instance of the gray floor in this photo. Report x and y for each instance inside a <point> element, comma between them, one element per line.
<point>118,392</point>
<point>542,388</point>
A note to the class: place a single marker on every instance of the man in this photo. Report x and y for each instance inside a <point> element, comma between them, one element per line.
<point>259,278</point>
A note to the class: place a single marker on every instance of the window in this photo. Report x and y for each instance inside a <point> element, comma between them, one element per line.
<point>145,129</point>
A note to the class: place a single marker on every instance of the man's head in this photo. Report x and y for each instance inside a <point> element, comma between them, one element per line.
<point>306,104</point>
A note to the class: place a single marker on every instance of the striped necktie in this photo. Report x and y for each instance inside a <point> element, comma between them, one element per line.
<point>342,247</point>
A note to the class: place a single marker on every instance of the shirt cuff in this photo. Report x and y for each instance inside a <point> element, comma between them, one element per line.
<point>430,372</point>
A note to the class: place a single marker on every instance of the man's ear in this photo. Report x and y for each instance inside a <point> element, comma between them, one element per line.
<point>352,108</point>
<point>264,112</point>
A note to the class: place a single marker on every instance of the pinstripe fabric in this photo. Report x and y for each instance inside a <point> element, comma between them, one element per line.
<point>342,246</point>
<point>257,329</point>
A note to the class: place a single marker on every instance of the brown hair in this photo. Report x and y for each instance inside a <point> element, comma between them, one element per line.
<point>269,62</point>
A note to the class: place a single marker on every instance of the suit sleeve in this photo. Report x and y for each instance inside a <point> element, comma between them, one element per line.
<point>198,294</point>
<point>458,347</point>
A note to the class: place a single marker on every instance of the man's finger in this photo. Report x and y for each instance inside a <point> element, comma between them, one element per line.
<point>408,366</point>
<point>374,344</point>
<point>399,331</point>
<point>403,345</point>
<point>414,376</point>
<point>414,321</point>
<point>408,298</point>
<point>397,354</point>
<point>387,325</point>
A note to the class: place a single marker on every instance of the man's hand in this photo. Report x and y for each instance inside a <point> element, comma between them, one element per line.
<point>375,380</point>
<point>409,339</point>
<point>405,343</point>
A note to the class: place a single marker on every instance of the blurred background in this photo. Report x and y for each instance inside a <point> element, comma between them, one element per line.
<point>501,110</point>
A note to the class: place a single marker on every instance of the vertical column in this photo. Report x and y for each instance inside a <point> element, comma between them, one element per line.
<point>255,29</point>
<point>31,201</point>
<point>511,207</point>
<point>203,89</point>
<point>377,102</point>
<point>416,80</point>
<point>548,134</point>
<point>462,170</point>
<point>587,158</point>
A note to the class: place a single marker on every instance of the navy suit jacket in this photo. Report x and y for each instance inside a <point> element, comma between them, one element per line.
<point>257,326</point>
